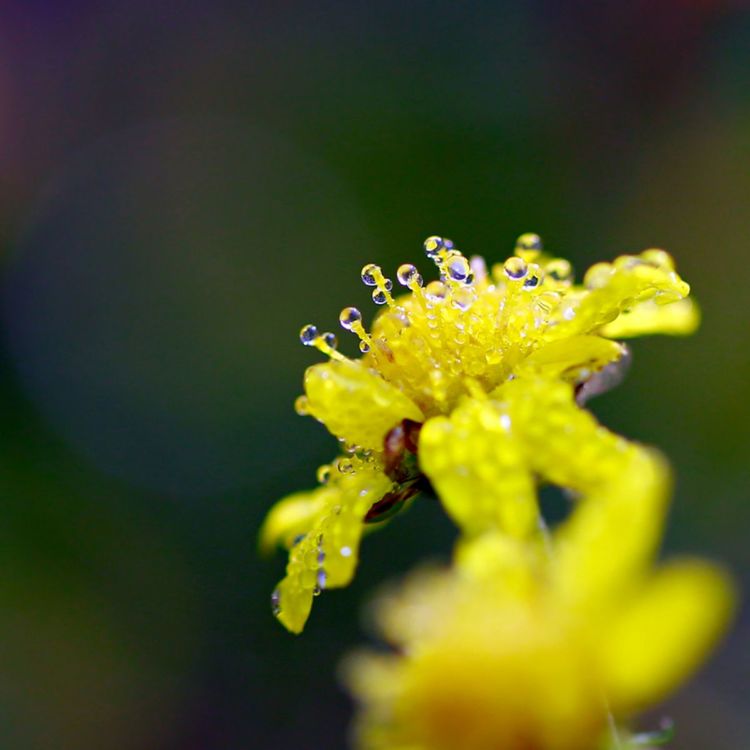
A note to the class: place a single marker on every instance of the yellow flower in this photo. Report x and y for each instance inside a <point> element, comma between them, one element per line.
<point>473,384</point>
<point>527,646</point>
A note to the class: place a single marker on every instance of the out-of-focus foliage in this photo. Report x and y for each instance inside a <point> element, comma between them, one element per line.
<point>181,190</point>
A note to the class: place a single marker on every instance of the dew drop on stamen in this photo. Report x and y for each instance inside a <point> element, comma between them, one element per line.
<point>515,268</point>
<point>301,406</point>
<point>559,269</point>
<point>364,347</point>
<point>533,279</point>
<point>436,291</point>
<point>408,274</point>
<point>529,244</point>
<point>323,473</point>
<point>459,269</point>
<point>432,246</point>
<point>378,297</point>
<point>368,274</point>
<point>329,339</point>
<point>308,334</point>
<point>348,317</point>
<point>463,298</point>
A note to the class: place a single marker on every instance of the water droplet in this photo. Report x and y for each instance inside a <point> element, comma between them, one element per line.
<point>320,582</point>
<point>364,347</point>
<point>462,298</point>
<point>378,297</point>
<point>276,603</point>
<point>598,275</point>
<point>533,279</point>
<point>408,274</point>
<point>346,552</point>
<point>459,269</point>
<point>369,273</point>
<point>515,268</point>
<point>348,317</point>
<point>321,557</point>
<point>436,291</point>
<point>569,312</point>
<point>301,406</point>
<point>345,466</point>
<point>308,334</point>
<point>329,339</point>
<point>529,242</point>
<point>559,269</point>
<point>432,246</point>
<point>323,473</point>
<point>659,258</point>
<point>388,284</point>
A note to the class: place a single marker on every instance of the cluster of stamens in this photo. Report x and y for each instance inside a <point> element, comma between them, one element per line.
<point>468,329</point>
<point>459,326</point>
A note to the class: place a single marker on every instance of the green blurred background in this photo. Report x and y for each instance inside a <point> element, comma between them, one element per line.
<point>183,185</point>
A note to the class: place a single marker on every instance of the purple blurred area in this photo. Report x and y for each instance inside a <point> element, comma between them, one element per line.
<point>183,185</point>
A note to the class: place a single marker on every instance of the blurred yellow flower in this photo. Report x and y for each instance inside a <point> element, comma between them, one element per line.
<point>472,383</point>
<point>527,646</point>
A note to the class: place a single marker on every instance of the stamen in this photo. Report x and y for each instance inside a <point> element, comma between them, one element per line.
<point>326,343</point>
<point>351,320</point>
<point>372,275</point>
<point>323,342</point>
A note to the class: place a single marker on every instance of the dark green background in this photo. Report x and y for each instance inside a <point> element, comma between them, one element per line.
<point>183,185</point>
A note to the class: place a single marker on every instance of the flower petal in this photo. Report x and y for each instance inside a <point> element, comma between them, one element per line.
<point>290,517</point>
<point>476,466</point>
<point>676,319</point>
<point>570,358</point>
<point>629,281</point>
<point>355,403</point>
<point>608,542</point>
<point>327,556</point>
<point>563,442</point>
<point>513,565</point>
<point>665,633</point>
<point>623,488</point>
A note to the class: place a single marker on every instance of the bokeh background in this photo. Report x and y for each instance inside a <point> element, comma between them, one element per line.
<point>183,185</point>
